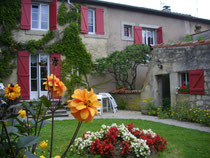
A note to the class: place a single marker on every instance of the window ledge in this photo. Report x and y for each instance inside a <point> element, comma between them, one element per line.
<point>96,36</point>
<point>47,1</point>
<point>127,39</point>
<point>36,32</point>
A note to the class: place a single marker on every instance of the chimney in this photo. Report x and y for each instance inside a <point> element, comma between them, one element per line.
<point>166,8</point>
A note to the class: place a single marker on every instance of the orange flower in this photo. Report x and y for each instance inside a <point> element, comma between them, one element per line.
<point>12,91</point>
<point>84,105</point>
<point>59,87</point>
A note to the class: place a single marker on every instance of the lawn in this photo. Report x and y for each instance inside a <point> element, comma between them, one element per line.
<point>182,143</point>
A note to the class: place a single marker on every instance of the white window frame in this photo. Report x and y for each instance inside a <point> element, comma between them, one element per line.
<point>186,78</point>
<point>130,31</point>
<point>123,24</point>
<point>94,21</point>
<point>38,93</point>
<point>146,30</point>
<point>39,16</point>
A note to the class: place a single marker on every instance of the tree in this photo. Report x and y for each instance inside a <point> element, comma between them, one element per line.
<point>123,64</point>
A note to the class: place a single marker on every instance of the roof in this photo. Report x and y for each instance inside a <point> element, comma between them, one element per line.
<point>193,43</point>
<point>143,10</point>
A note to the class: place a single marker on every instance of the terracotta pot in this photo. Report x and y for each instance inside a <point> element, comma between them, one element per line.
<point>182,92</point>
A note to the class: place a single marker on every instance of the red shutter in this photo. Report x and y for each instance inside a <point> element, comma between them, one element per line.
<point>159,35</point>
<point>137,34</point>
<point>99,21</point>
<point>84,19</point>
<point>53,15</point>
<point>57,69</point>
<point>23,74</point>
<point>25,14</point>
<point>196,82</point>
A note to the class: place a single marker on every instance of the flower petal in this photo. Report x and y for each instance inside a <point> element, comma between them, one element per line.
<point>74,110</point>
<point>80,107</point>
<point>97,104</point>
<point>92,111</point>
<point>84,114</point>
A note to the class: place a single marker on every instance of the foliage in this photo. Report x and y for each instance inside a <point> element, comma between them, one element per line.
<point>33,45</point>
<point>184,112</point>
<point>123,64</point>
<point>70,46</point>
<point>19,136</point>
<point>149,107</point>
<point>184,88</point>
<point>9,18</point>
<point>188,38</point>
<point>121,103</point>
<point>65,16</point>
<point>77,62</point>
<point>200,37</point>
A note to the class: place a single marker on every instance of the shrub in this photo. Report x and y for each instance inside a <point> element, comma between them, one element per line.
<point>121,104</point>
<point>149,107</point>
<point>184,112</point>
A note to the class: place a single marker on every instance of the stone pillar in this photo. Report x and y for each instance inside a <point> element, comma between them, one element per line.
<point>174,83</point>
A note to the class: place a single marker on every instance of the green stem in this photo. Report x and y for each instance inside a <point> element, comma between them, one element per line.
<point>52,133</point>
<point>72,139</point>
<point>10,145</point>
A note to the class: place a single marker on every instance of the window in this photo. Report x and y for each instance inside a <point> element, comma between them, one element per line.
<point>148,36</point>
<point>91,21</point>
<point>40,17</point>
<point>128,31</point>
<point>184,78</point>
<point>39,69</point>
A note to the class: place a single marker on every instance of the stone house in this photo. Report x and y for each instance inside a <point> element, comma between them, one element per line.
<point>171,66</point>
<point>105,27</point>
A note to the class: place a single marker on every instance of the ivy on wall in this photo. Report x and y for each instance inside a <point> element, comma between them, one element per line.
<point>77,61</point>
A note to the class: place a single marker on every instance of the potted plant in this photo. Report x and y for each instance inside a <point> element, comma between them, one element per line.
<point>184,89</point>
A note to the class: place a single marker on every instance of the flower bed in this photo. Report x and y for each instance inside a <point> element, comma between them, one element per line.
<point>122,140</point>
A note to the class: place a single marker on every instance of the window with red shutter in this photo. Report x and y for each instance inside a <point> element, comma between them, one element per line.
<point>84,19</point>
<point>159,35</point>
<point>53,15</point>
<point>25,14</point>
<point>23,74</point>
<point>56,69</point>
<point>196,82</point>
<point>99,21</point>
<point>137,34</point>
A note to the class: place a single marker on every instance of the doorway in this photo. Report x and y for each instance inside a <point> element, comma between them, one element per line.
<point>164,95</point>
<point>39,70</point>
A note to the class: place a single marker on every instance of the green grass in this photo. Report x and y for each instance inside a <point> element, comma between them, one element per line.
<point>182,143</point>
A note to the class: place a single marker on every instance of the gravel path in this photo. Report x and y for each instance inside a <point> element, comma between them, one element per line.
<point>123,114</point>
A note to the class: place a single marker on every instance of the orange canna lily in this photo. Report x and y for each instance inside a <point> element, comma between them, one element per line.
<point>59,87</point>
<point>84,105</point>
<point>12,91</point>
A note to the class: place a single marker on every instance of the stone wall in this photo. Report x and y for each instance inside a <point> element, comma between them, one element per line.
<point>131,99</point>
<point>175,59</point>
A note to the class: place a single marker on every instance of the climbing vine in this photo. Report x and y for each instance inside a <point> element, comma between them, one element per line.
<point>77,61</point>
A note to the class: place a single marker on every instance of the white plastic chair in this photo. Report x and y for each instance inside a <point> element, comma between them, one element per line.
<point>100,110</point>
<point>112,102</point>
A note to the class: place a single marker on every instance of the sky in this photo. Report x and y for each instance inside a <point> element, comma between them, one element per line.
<point>197,8</point>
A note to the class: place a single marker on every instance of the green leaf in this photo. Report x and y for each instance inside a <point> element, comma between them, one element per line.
<point>15,106</point>
<point>29,154</point>
<point>27,141</point>
<point>45,122</point>
<point>46,101</point>
<point>45,118</point>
